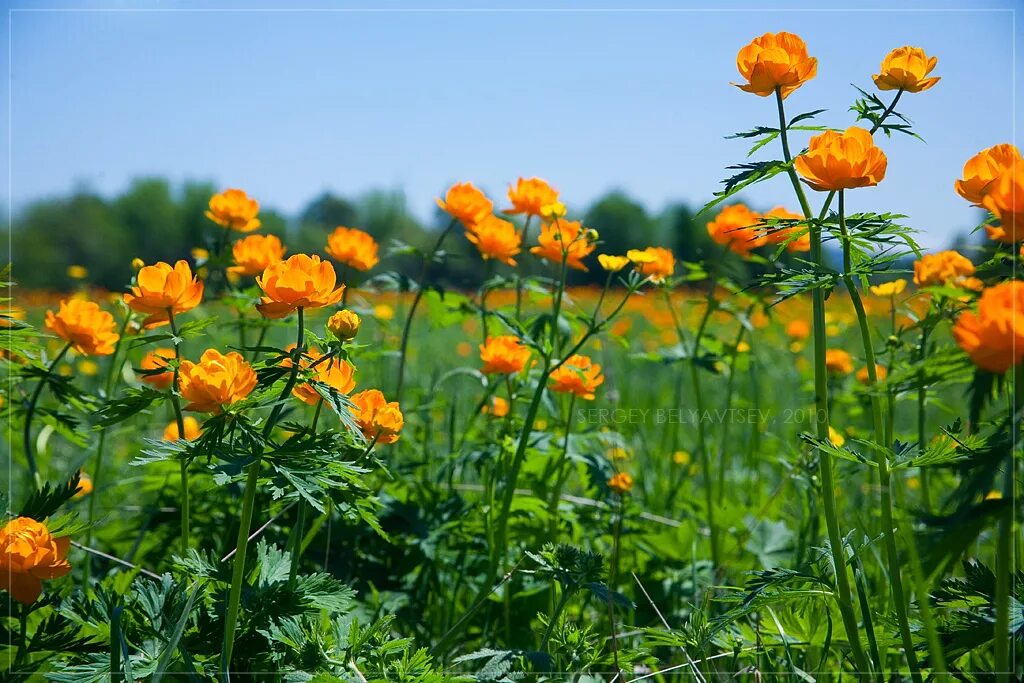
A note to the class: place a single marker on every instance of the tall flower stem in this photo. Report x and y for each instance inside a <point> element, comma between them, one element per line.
<point>185,501</point>
<point>427,261</point>
<point>248,499</point>
<point>519,279</point>
<point>922,416</point>
<point>561,474</point>
<point>702,446</point>
<point>30,412</point>
<point>300,518</point>
<point>881,460</point>
<point>1004,536</point>
<point>844,597</point>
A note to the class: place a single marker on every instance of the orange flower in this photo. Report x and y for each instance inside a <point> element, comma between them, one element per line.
<point>301,281</point>
<point>344,325</point>
<point>29,554</point>
<point>780,234</point>
<point>234,210</point>
<point>880,374</point>
<point>981,171</point>
<point>621,483</point>
<point>942,268</point>
<point>578,376</point>
<point>83,324</point>
<point>192,430</point>
<point>335,373</point>
<point>254,253</point>
<point>1005,199</point>
<point>466,203</point>
<point>353,247</point>
<point>495,239</point>
<point>215,382</point>
<point>798,329</point>
<point>160,288</point>
<point>566,238</point>
<point>842,161</point>
<point>661,267</point>
<point>838,362</point>
<point>154,360</point>
<point>531,196</point>
<point>994,336</point>
<point>379,420</point>
<point>906,68</point>
<point>503,355</point>
<point>736,226</point>
<point>775,60</point>
<point>498,407</point>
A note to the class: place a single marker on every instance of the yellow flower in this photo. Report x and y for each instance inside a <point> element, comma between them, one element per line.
<point>300,281</point>
<point>192,430</point>
<point>640,257</point>
<point>379,420</point>
<point>612,264</point>
<point>77,272</point>
<point>504,355</point>
<point>29,554</point>
<point>137,264</point>
<point>775,61</point>
<point>842,161</point>
<point>579,376</point>
<point>160,290</point>
<point>681,458</point>
<point>620,483</point>
<point>906,68</point>
<point>836,437</point>
<point>892,288</point>
<point>495,239</point>
<point>563,239</point>
<point>618,453</point>
<point>88,368</point>
<point>216,382</point>
<point>531,196</point>
<point>234,210</point>
<point>353,247</point>
<point>553,210</point>
<point>466,203</point>
<point>255,253</point>
<point>83,324</point>
<point>383,312</point>
<point>344,325</point>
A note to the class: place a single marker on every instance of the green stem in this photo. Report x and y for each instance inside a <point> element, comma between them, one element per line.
<point>185,500</point>
<point>23,636</point>
<point>561,474</point>
<point>922,418</point>
<point>1004,538</point>
<point>702,450</point>
<point>33,468</point>
<point>555,616</point>
<point>519,280</point>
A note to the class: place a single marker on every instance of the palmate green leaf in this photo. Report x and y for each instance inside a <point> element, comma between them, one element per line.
<point>843,452</point>
<point>870,108</point>
<point>47,500</point>
<point>749,174</point>
<point>132,401</point>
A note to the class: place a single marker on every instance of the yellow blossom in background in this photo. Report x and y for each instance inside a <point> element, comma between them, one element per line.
<point>618,453</point>
<point>681,458</point>
<point>235,210</point>
<point>553,210</point>
<point>192,429</point>
<point>88,368</point>
<point>383,312</point>
<point>612,264</point>
<point>775,61</point>
<point>530,196</point>
<point>200,255</point>
<point>640,257</point>
<point>906,68</point>
<point>892,288</point>
<point>836,437</point>
<point>77,272</point>
<point>842,161</point>
<point>353,248</point>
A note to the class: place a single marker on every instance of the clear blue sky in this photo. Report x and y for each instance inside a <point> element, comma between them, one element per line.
<point>288,104</point>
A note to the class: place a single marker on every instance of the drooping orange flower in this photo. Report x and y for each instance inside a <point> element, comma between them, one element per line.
<point>579,376</point>
<point>300,281</point>
<point>1005,199</point>
<point>838,362</point>
<point>344,325</point>
<point>531,196</point>
<point>216,381</point>
<point>28,555</point>
<point>620,483</point>
<point>906,68</point>
<point>802,240</point>
<point>736,226</point>
<point>83,324</point>
<point>379,420</point>
<point>941,268</point>
<point>981,171</point>
<point>564,238</point>
<point>495,239</point>
<point>254,253</point>
<point>842,161</point>
<point>994,336</point>
<point>503,355</point>
<point>353,247</point>
<point>335,373</point>
<point>466,203</point>
<point>155,360</point>
<point>662,265</point>
<point>160,289</point>
<point>192,429</point>
<point>892,288</point>
<point>235,210</point>
<point>880,374</point>
<point>775,60</point>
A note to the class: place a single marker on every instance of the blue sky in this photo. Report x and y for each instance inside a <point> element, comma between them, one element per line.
<point>595,96</point>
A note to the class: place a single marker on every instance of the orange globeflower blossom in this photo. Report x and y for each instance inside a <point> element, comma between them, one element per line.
<point>983,169</point>
<point>1005,199</point>
<point>775,61</point>
<point>300,281</point>
<point>344,325</point>
<point>379,420</point>
<point>83,324</point>
<point>466,203</point>
<point>620,483</point>
<point>353,247</point>
<point>29,554</point>
<point>578,376</point>
<point>942,268</point>
<point>160,290</point>
<point>495,239</point>
<point>564,238</point>
<point>503,355</point>
<point>994,336</point>
<point>736,227</point>
<point>531,196</point>
<point>216,381</point>
<point>838,362</point>
<point>235,210</point>
<point>335,373</point>
<point>880,374</point>
<point>192,430</point>
<point>842,161</point>
<point>906,68</point>
<point>254,253</point>
<point>782,233</point>
<point>661,267</point>
<point>155,360</point>
<point>498,407</point>
<point>798,329</point>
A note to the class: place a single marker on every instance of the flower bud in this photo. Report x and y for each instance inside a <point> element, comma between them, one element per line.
<point>344,325</point>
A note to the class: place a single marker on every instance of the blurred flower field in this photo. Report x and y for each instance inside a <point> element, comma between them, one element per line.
<point>254,464</point>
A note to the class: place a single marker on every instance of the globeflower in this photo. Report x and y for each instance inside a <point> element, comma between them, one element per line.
<point>353,248</point>
<point>498,407</point>
<point>578,376</point>
<point>842,161</point>
<point>906,68</point>
<point>531,196</point>
<point>300,281</point>
<point>942,268</point>
<point>255,253</point>
<point>233,209</point>
<point>503,355</point>
<point>495,239</point>
<point>335,373</point>
<point>775,61</point>
<point>29,554</point>
<point>192,430</point>
<point>662,265</point>
<point>612,264</point>
<point>736,227</point>
<point>161,290</point>
<point>564,239</point>
<point>156,360</point>
<point>838,362</point>
<point>344,325</point>
<point>983,169</point>
<point>892,288</point>
<point>1005,199</point>
<point>464,202</point>
<point>378,420</point>
<point>216,381</point>
<point>801,236</point>
<point>85,486</point>
<point>798,329</point>
<point>83,324</point>
<point>880,374</point>
<point>994,336</point>
<point>620,483</point>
